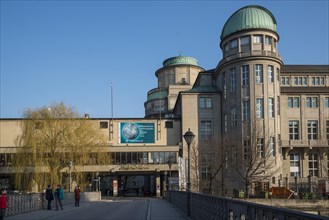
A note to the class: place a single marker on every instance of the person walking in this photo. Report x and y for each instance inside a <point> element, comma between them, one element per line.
<point>77,195</point>
<point>59,196</point>
<point>49,196</point>
<point>3,204</point>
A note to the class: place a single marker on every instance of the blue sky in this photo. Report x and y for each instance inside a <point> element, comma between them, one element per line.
<point>71,51</point>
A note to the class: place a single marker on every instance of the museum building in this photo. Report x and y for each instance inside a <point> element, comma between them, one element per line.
<point>251,107</point>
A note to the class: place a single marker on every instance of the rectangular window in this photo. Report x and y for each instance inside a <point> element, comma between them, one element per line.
<point>259,108</point>
<point>169,124</point>
<point>327,129</point>
<point>312,130</point>
<point>205,102</point>
<point>259,73</point>
<point>293,130</point>
<point>268,40</point>
<point>294,165</point>
<point>261,147</point>
<point>313,164</point>
<point>246,110</point>
<point>103,124</point>
<point>246,145</point>
<point>270,70</point>
<point>293,102</point>
<point>234,43</point>
<point>245,40</point>
<point>234,120</point>
<point>233,79</point>
<point>258,39</point>
<point>326,102</point>
<point>312,102</point>
<point>245,75</point>
<point>272,146</point>
<point>271,107</point>
<point>205,130</point>
<point>285,80</point>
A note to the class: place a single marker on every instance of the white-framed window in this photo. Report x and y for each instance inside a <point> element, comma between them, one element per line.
<point>245,40</point>
<point>234,43</point>
<point>272,146</point>
<point>312,102</point>
<point>259,73</point>
<point>293,130</point>
<point>300,80</point>
<point>234,116</point>
<point>285,80</point>
<point>313,165</point>
<point>268,40</point>
<point>312,130</point>
<point>246,110</point>
<point>205,129</point>
<point>261,147</point>
<point>270,72</point>
<point>259,108</point>
<point>205,174</point>
<point>326,102</point>
<point>294,165</point>
<point>205,102</point>
<point>293,102</point>
<point>258,39</point>
<point>245,75</point>
<point>233,79</point>
<point>271,107</point>
<point>316,81</point>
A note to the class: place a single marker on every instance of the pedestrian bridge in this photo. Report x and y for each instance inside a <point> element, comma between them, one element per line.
<point>175,205</point>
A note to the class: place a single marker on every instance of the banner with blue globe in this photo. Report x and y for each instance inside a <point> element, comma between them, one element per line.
<point>136,132</point>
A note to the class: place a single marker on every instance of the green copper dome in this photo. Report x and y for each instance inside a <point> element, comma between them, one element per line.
<point>180,60</point>
<point>249,17</point>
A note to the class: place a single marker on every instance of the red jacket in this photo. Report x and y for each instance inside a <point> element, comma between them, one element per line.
<point>3,201</point>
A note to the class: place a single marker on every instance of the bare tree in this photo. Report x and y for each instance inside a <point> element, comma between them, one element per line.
<point>51,138</point>
<point>258,162</point>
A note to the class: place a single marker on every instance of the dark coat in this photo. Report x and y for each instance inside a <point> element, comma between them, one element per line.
<point>77,193</point>
<point>49,194</point>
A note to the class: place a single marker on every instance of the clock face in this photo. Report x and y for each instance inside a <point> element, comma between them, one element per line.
<point>130,131</point>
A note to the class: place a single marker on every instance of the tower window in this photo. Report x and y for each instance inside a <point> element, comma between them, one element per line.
<point>259,73</point>
<point>258,39</point>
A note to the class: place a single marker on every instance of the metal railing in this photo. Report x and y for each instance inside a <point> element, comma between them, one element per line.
<point>204,207</point>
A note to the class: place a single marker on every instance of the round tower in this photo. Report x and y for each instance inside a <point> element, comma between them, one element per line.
<point>177,74</point>
<point>248,76</point>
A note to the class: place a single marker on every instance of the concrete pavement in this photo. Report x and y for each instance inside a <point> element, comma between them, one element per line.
<point>158,209</point>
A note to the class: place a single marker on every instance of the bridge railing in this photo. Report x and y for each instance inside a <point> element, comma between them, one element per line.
<point>22,203</point>
<point>204,207</point>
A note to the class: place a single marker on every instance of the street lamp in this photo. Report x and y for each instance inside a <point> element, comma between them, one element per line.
<point>188,136</point>
<point>70,179</point>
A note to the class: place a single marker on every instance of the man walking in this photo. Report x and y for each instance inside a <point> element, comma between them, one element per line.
<point>49,196</point>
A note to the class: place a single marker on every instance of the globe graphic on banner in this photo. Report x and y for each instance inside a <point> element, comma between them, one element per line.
<point>130,131</point>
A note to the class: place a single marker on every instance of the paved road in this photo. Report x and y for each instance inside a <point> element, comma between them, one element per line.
<point>118,209</point>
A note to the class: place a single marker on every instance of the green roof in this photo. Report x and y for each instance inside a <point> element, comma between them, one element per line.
<point>249,17</point>
<point>180,60</point>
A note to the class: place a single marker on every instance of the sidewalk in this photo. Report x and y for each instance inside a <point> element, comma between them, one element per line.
<point>44,214</point>
<point>158,209</point>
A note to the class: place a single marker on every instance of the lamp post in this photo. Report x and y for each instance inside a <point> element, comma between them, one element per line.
<point>188,136</point>
<point>169,164</point>
<point>70,179</point>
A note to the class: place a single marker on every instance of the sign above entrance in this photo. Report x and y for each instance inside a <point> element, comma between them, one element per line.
<point>136,132</point>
